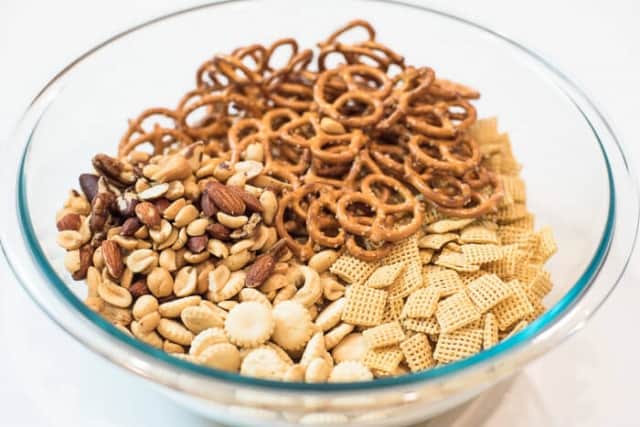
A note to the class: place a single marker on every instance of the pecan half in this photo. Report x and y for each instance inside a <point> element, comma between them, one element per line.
<point>89,185</point>
<point>86,257</point>
<point>100,211</point>
<point>114,169</point>
<point>225,199</point>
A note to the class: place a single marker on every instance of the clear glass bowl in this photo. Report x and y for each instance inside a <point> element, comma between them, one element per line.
<point>577,176</point>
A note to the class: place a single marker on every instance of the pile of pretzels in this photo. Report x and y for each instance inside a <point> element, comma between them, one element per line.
<point>354,149</point>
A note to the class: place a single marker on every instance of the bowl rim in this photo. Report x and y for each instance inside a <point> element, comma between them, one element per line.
<point>573,295</point>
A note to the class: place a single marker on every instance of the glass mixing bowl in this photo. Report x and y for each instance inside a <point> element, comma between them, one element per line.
<point>577,176</point>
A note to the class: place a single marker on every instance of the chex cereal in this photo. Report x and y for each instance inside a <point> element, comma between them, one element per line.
<point>421,303</point>
<point>457,345</point>
<point>480,232</point>
<point>487,291</point>
<point>456,311</point>
<point>383,335</point>
<point>384,359</point>
<point>417,352</point>
<point>475,253</point>
<point>514,308</point>
<point>490,331</point>
<point>447,281</point>
<point>364,306</point>
<point>385,275</point>
<point>436,241</point>
<point>351,269</point>
<point>300,240</point>
<point>428,326</point>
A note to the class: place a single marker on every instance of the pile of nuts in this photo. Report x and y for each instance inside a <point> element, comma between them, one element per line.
<point>178,251</point>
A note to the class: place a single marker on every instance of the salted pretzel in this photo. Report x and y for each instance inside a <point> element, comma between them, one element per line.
<point>402,138</point>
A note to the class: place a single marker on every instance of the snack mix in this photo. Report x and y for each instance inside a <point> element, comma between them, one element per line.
<point>311,222</point>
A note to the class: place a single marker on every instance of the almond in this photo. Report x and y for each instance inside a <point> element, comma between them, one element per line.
<point>260,270</point>
<point>218,231</point>
<point>130,226</point>
<point>70,221</point>
<point>112,258</point>
<point>148,214</point>
<point>251,202</point>
<point>263,266</point>
<point>225,199</point>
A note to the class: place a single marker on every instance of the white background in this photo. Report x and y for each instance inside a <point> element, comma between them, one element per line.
<point>47,379</point>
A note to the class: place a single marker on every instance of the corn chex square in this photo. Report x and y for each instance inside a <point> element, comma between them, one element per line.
<point>448,224</point>
<point>525,239</point>
<point>481,253</point>
<point>478,233</point>
<point>417,352</point>
<point>455,261</point>
<point>385,359</point>
<point>511,213</point>
<point>547,244</point>
<point>447,281</point>
<point>458,345</point>
<point>514,308</point>
<point>426,255</point>
<point>385,275</point>
<point>406,251</point>
<point>428,326</point>
<point>467,278</point>
<point>351,269</point>
<point>527,222</point>
<point>364,306</point>
<point>490,331</point>
<point>540,285</point>
<point>383,335</point>
<point>515,187</point>
<point>431,215</point>
<point>484,130</point>
<point>421,303</point>
<point>506,266</point>
<point>487,291</point>
<point>392,309</point>
<point>517,328</point>
<point>456,311</point>
<point>436,241</point>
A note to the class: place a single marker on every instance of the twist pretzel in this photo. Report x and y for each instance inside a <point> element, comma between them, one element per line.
<point>405,140</point>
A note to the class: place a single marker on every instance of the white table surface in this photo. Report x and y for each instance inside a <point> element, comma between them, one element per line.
<point>48,379</point>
